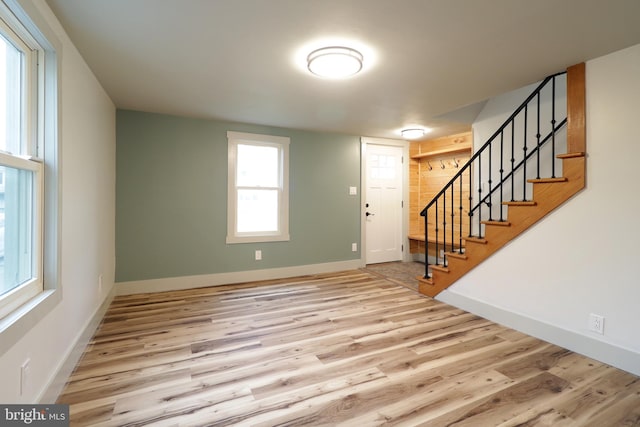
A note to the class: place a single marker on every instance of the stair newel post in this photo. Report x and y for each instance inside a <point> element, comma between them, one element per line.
<point>524,149</point>
<point>453,219</point>
<point>538,137</point>
<point>553,127</point>
<point>501,173</point>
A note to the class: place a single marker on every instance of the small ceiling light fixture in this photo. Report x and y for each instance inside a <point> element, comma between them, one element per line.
<point>414,133</point>
<point>335,62</point>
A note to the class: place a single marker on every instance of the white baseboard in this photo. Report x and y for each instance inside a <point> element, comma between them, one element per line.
<point>205,280</point>
<point>56,384</point>
<point>622,358</point>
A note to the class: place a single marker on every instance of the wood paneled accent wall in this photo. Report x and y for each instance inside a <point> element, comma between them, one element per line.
<point>432,165</point>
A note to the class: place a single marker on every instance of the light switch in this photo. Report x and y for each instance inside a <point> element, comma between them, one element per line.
<point>353,191</point>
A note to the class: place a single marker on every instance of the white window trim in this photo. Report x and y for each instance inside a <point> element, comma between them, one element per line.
<point>32,109</point>
<point>14,326</point>
<point>234,139</point>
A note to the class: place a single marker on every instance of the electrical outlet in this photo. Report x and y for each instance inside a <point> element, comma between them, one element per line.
<point>258,255</point>
<point>596,323</point>
<point>25,370</point>
<point>354,247</point>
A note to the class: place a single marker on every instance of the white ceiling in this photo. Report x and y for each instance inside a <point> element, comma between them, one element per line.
<point>427,62</point>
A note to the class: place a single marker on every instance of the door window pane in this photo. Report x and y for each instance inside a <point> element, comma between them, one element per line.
<point>383,167</point>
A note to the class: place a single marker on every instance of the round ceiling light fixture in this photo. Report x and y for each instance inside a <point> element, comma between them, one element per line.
<point>413,133</point>
<point>335,62</point>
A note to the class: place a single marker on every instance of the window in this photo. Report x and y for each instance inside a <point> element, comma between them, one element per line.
<point>258,193</point>
<point>26,122</point>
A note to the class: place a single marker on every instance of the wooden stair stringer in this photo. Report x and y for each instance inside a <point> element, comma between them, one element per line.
<point>548,197</point>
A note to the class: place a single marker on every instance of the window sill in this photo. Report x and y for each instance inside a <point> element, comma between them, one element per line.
<point>15,325</point>
<point>257,239</point>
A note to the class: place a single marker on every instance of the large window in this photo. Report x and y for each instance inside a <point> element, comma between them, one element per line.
<point>22,136</point>
<point>258,194</point>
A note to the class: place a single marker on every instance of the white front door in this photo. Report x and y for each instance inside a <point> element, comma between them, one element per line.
<point>383,203</point>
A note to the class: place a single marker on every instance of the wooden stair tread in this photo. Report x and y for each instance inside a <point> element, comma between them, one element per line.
<point>520,203</point>
<point>498,223</point>
<point>425,280</point>
<point>571,155</point>
<point>455,255</point>
<point>547,180</point>
<point>420,238</point>
<point>439,268</point>
<point>480,240</point>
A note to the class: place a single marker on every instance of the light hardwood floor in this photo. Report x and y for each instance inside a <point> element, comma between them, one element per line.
<point>339,349</point>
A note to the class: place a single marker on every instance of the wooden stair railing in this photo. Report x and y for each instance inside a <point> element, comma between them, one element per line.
<point>548,194</point>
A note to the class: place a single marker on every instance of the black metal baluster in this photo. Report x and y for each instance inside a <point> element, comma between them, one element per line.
<point>524,149</point>
<point>513,160</point>
<point>470,203</point>
<point>553,127</point>
<point>538,137</point>
<point>479,195</point>
<point>444,225</point>
<point>488,196</point>
<point>437,236</point>
<point>426,244</point>
<point>461,220</point>
<point>501,173</point>
<point>453,219</point>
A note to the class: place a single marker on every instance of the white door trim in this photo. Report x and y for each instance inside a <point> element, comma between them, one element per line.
<point>365,141</point>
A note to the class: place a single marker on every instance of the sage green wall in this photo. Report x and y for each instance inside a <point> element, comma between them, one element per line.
<point>171,198</point>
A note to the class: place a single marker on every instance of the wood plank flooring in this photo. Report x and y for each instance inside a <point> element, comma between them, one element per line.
<point>348,349</point>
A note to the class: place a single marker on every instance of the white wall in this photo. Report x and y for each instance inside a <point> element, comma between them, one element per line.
<point>87,149</point>
<point>583,258</point>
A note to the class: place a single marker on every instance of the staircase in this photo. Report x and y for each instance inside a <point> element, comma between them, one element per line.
<point>466,230</point>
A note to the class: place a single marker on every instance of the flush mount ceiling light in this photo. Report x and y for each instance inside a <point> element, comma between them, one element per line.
<point>414,133</point>
<point>334,62</point>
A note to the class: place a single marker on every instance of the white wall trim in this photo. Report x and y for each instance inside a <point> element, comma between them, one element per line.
<point>202,281</point>
<point>592,347</point>
<point>58,380</point>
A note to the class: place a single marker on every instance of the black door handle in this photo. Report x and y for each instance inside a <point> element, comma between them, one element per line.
<point>367,214</point>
